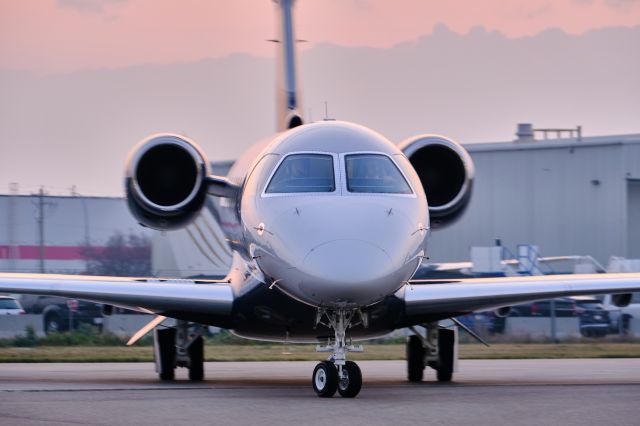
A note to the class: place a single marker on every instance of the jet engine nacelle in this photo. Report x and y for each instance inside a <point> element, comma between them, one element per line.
<point>503,312</point>
<point>621,300</point>
<point>446,172</point>
<point>166,181</point>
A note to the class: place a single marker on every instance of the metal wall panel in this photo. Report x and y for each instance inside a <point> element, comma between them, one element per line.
<point>567,199</point>
<point>633,219</point>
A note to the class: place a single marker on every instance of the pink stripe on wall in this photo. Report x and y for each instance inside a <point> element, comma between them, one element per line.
<point>50,252</point>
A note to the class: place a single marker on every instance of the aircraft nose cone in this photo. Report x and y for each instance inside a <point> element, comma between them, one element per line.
<point>347,262</point>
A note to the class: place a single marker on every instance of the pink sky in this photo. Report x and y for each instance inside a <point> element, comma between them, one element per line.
<point>65,35</point>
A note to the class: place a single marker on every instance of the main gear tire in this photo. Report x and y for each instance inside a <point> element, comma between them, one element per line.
<point>415,359</point>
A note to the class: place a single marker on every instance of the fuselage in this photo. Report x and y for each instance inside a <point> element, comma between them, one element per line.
<point>331,213</point>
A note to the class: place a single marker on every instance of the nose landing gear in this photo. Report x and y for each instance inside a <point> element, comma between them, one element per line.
<point>338,374</point>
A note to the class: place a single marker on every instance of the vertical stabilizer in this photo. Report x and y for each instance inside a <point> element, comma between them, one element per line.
<point>289,107</point>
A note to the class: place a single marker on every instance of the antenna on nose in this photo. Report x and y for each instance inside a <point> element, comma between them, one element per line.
<point>326,112</point>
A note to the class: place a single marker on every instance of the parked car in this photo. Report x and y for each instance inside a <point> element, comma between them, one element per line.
<point>564,307</point>
<point>57,311</point>
<point>594,318</point>
<point>620,318</point>
<point>10,306</point>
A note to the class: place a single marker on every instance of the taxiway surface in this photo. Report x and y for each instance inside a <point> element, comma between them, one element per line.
<point>492,392</point>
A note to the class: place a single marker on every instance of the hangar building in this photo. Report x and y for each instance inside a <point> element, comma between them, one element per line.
<point>45,233</point>
<point>569,196</point>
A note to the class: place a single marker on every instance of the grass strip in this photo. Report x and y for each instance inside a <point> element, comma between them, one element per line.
<point>219,352</point>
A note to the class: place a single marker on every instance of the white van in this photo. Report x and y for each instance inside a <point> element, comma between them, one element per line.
<point>621,317</point>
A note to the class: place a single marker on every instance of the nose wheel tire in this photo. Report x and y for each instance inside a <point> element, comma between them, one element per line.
<point>325,379</point>
<point>350,383</point>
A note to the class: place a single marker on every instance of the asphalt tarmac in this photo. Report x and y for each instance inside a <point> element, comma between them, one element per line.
<point>484,392</point>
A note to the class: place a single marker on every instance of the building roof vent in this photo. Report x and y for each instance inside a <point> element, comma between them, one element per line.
<point>525,132</point>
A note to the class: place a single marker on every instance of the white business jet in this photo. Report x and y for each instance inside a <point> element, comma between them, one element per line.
<point>328,222</point>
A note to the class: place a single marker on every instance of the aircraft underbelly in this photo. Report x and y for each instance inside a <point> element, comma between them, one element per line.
<point>265,314</point>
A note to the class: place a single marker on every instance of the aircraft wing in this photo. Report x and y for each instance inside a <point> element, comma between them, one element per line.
<point>433,297</point>
<point>199,297</point>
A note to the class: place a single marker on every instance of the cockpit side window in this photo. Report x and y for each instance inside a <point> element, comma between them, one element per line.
<point>374,173</point>
<point>303,173</point>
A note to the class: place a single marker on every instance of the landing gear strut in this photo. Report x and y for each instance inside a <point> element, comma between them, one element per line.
<point>435,349</point>
<point>337,373</point>
<point>182,346</point>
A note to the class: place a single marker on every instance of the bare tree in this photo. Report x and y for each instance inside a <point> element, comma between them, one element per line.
<point>124,255</point>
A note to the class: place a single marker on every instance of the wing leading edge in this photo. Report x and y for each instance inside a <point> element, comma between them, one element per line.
<point>201,297</point>
<point>433,297</point>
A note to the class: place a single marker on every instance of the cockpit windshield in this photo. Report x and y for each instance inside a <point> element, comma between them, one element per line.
<point>374,173</point>
<point>303,173</point>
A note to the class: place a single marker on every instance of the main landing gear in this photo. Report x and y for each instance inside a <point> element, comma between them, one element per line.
<point>436,349</point>
<point>182,346</point>
<point>338,374</point>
